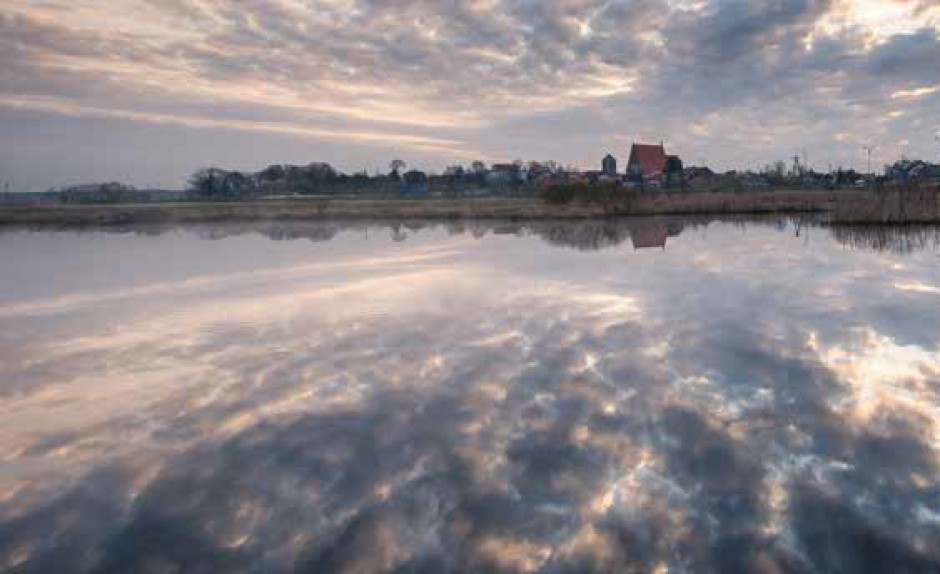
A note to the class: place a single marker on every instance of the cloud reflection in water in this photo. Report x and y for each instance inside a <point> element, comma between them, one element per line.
<point>742,400</point>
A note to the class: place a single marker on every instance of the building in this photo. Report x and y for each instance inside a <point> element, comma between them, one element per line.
<point>505,174</point>
<point>673,170</point>
<point>538,172</point>
<point>609,165</point>
<point>647,160</point>
<point>700,178</point>
<point>414,183</point>
<point>651,165</point>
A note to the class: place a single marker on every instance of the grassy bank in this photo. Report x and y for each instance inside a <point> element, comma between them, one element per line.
<point>850,206</point>
<point>890,207</point>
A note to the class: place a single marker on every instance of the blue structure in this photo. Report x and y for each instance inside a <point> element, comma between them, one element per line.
<point>414,184</point>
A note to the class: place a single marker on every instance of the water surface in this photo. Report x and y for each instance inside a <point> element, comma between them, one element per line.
<point>632,396</point>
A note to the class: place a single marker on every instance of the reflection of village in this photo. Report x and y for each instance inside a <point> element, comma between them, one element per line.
<point>652,233</point>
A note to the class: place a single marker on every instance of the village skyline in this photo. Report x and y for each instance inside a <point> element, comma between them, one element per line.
<point>649,167</point>
<point>798,163</point>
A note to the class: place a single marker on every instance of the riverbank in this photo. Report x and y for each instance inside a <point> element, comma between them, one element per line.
<point>848,206</point>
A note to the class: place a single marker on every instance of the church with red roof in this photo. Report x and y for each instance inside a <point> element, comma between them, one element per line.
<point>647,160</point>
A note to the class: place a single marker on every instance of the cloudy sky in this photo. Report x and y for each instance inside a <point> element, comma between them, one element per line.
<point>146,91</point>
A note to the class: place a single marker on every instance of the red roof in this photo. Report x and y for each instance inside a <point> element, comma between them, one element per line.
<point>649,159</point>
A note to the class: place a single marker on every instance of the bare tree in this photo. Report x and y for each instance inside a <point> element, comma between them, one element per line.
<point>396,165</point>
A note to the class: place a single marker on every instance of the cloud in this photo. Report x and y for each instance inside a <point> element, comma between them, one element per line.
<point>348,71</point>
<point>70,108</point>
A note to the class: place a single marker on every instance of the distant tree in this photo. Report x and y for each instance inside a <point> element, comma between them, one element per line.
<point>272,173</point>
<point>397,233</point>
<point>775,173</point>
<point>207,181</point>
<point>478,169</point>
<point>452,175</point>
<point>321,172</point>
<point>395,166</point>
<point>216,182</point>
<point>235,182</point>
<point>454,171</point>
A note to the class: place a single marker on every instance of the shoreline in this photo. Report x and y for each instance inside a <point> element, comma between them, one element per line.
<point>839,206</point>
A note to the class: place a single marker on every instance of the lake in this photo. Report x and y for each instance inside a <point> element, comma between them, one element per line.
<point>647,395</point>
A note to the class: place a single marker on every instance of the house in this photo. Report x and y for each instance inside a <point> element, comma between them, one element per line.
<point>700,177</point>
<point>505,174</point>
<point>415,183</point>
<point>609,166</point>
<point>538,172</point>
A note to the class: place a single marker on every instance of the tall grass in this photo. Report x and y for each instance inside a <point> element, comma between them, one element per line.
<point>897,205</point>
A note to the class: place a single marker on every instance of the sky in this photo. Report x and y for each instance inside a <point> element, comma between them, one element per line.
<point>147,91</point>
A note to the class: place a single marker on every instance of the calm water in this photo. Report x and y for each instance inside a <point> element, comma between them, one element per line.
<point>653,395</point>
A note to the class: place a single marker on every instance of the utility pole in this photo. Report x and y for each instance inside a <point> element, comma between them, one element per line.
<point>869,149</point>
